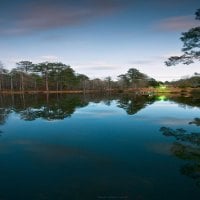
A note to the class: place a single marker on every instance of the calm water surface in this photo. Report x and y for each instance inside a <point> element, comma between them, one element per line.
<point>99,147</point>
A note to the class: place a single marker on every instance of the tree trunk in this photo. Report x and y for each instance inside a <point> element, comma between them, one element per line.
<point>46,80</point>
<point>11,83</point>
<point>1,82</point>
<point>84,85</point>
<point>22,82</point>
<point>57,86</point>
<point>35,84</point>
<point>0,85</point>
<point>47,98</point>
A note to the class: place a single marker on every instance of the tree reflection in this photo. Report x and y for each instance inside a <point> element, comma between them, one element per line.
<point>196,121</point>
<point>31,107</point>
<point>134,103</point>
<point>186,147</point>
<point>191,101</point>
<point>48,106</point>
<point>4,113</point>
<point>54,109</point>
<point>60,106</point>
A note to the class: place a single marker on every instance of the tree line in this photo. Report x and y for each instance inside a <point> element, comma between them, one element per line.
<point>56,76</point>
<point>42,76</point>
<point>187,82</point>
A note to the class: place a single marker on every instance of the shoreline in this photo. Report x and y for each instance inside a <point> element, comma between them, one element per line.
<point>138,91</point>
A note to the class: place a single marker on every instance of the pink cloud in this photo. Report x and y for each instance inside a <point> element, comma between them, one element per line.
<point>47,15</point>
<point>178,23</point>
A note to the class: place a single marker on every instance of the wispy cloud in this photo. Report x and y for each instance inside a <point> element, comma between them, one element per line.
<point>141,62</point>
<point>100,68</point>
<point>98,114</point>
<point>47,14</point>
<point>174,121</point>
<point>97,65</point>
<point>178,23</point>
<point>50,58</point>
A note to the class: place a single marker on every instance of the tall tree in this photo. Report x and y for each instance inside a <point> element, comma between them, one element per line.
<point>56,72</point>
<point>191,46</point>
<point>23,67</point>
<point>123,81</point>
<point>11,81</point>
<point>82,79</point>
<point>135,76</point>
<point>3,73</point>
<point>44,68</point>
<point>68,78</point>
<point>108,81</point>
<point>15,79</point>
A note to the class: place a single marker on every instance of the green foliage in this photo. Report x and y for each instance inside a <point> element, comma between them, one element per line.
<point>198,14</point>
<point>192,82</point>
<point>134,103</point>
<point>191,46</point>
<point>25,66</point>
<point>134,78</point>
<point>56,76</point>
<point>153,83</point>
<point>123,80</point>
<point>134,74</point>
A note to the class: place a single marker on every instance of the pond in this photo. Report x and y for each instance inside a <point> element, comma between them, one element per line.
<point>99,147</point>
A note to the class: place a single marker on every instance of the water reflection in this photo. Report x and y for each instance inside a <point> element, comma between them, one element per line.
<point>60,106</point>
<point>134,103</point>
<point>186,147</point>
<point>100,151</point>
<point>191,101</point>
<point>51,107</point>
<point>196,121</point>
<point>4,112</point>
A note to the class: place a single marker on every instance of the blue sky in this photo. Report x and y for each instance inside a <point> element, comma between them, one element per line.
<point>98,37</point>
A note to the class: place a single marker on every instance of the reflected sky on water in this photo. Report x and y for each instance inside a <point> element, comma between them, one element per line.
<point>99,146</point>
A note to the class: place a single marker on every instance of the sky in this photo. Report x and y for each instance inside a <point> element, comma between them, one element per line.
<point>98,38</point>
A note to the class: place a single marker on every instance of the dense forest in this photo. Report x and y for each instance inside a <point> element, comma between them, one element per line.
<point>49,76</point>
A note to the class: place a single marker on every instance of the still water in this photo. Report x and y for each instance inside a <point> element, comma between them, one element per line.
<point>75,147</point>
